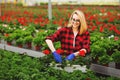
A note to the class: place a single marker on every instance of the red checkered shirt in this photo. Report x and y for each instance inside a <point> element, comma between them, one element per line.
<point>66,37</point>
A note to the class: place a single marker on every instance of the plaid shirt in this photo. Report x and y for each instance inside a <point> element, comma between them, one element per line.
<point>66,37</point>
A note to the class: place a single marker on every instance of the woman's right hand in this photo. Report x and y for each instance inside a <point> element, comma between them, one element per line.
<point>57,57</point>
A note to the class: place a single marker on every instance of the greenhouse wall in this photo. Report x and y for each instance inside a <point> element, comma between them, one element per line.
<point>79,2</point>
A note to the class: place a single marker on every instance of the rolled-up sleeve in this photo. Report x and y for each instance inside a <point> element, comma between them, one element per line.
<point>55,37</point>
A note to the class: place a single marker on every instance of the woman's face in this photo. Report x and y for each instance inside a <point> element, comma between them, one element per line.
<point>75,21</point>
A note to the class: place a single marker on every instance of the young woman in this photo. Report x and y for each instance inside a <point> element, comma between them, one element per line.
<point>74,38</point>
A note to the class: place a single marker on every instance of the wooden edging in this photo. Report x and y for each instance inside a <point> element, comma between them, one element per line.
<point>22,50</point>
<point>105,70</point>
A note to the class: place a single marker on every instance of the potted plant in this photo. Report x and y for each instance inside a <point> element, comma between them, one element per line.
<point>97,51</point>
<point>7,30</point>
<point>8,39</point>
<point>116,58</point>
<point>37,42</point>
<point>104,60</point>
<point>31,28</point>
<point>28,41</point>
<point>19,42</point>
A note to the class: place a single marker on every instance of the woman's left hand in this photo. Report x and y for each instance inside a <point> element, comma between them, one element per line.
<point>70,57</point>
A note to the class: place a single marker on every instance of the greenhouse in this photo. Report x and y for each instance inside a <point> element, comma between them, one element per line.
<point>59,39</point>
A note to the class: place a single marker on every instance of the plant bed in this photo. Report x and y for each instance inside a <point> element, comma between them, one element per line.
<point>23,67</point>
<point>69,68</point>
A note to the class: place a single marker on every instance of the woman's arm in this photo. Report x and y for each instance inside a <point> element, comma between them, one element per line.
<point>50,45</point>
<point>57,56</point>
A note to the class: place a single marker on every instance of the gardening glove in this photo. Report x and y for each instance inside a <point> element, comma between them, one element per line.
<point>57,57</point>
<point>70,57</point>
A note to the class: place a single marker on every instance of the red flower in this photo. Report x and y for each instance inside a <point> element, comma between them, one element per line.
<point>109,13</point>
<point>22,20</point>
<point>102,10</point>
<point>3,18</point>
<point>91,17</point>
<point>116,38</point>
<point>101,29</point>
<point>9,18</point>
<point>93,28</point>
<point>6,35</point>
<point>60,51</point>
<point>46,51</point>
<point>111,20</point>
<point>112,27</point>
<point>36,21</point>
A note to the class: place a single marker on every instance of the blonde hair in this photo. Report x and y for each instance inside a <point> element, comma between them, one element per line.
<point>83,26</point>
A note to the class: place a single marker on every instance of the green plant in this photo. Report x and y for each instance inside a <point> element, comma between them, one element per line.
<point>19,41</point>
<point>37,41</point>
<point>97,51</point>
<point>8,38</point>
<point>28,39</point>
<point>30,28</point>
<point>19,4</point>
<point>1,36</point>
<point>116,56</point>
<point>105,59</point>
<point>15,35</point>
<point>43,3</point>
<point>24,33</point>
<point>7,29</point>
<point>51,26</point>
<point>96,36</point>
<point>1,28</point>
